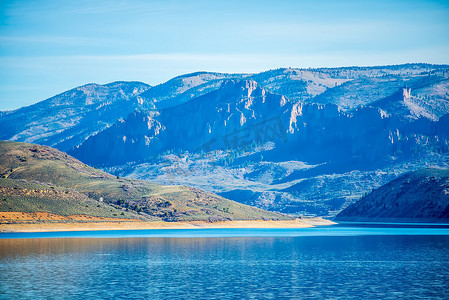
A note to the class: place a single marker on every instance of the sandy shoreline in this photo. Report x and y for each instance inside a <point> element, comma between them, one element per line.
<point>133,225</point>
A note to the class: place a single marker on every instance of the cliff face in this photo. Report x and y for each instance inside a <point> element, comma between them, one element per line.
<point>241,114</point>
<point>418,196</point>
<point>208,122</point>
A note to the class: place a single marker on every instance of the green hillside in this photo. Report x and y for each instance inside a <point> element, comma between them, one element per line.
<point>36,178</point>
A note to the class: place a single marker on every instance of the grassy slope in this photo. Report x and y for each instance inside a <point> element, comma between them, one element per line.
<point>39,178</point>
<point>24,196</point>
<point>419,196</point>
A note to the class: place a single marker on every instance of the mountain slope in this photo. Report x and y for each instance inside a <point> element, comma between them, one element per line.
<point>41,179</point>
<point>185,87</point>
<point>67,119</point>
<point>347,87</point>
<point>418,196</point>
<point>208,121</point>
<point>298,84</point>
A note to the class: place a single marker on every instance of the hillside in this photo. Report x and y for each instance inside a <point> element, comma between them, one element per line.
<point>420,196</point>
<point>42,179</point>
<point>67,119</point>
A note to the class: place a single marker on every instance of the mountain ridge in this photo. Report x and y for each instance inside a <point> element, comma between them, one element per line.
<point>82,111</point>
<point>339,133</point>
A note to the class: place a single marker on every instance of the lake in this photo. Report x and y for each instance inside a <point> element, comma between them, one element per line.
<point>346,261</point>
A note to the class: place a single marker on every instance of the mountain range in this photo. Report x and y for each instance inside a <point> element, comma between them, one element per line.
<point>302,141</point>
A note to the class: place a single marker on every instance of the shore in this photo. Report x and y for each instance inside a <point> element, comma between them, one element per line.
<point>135,225</point>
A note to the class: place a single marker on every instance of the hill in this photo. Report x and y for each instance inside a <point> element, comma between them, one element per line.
<point>419,196</point>
<point>41,179</point>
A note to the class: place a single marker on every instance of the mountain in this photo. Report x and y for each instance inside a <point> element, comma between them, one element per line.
<point>67,119</point>
<point>184,88</point>
<point>262,149</point>
<point>235,105</point>
<point>239,114</point>
<point>347,87</point>
<point>40,179</point>
<point>419,196</point>
<point>302,141</point>
<point>299,84</point>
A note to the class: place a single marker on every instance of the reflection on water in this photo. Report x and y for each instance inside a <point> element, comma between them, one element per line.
<point>346,229</point>
<point>392,266</point>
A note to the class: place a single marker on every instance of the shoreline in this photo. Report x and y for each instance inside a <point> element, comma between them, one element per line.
<point>142,225</point>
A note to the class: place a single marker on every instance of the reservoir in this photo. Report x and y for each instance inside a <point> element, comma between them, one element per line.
<point>345,261</point>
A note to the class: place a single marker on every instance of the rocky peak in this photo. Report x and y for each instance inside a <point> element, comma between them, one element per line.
<point>406,93</point>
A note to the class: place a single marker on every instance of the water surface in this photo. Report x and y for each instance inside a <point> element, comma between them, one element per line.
<point>346,261</point>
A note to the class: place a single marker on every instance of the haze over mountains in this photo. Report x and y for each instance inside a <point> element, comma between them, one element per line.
<point>304,141</point>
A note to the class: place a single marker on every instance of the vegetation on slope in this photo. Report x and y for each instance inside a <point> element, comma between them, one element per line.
<point>418,196</point>
<point>39,178</point>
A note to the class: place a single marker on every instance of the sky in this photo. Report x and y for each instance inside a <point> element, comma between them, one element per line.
<point>48,47</point>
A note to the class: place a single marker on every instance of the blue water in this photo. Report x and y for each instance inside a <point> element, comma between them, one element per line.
<point>348,261</point>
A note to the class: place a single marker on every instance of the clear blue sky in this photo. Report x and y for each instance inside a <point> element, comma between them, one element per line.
<point>47,47</point>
